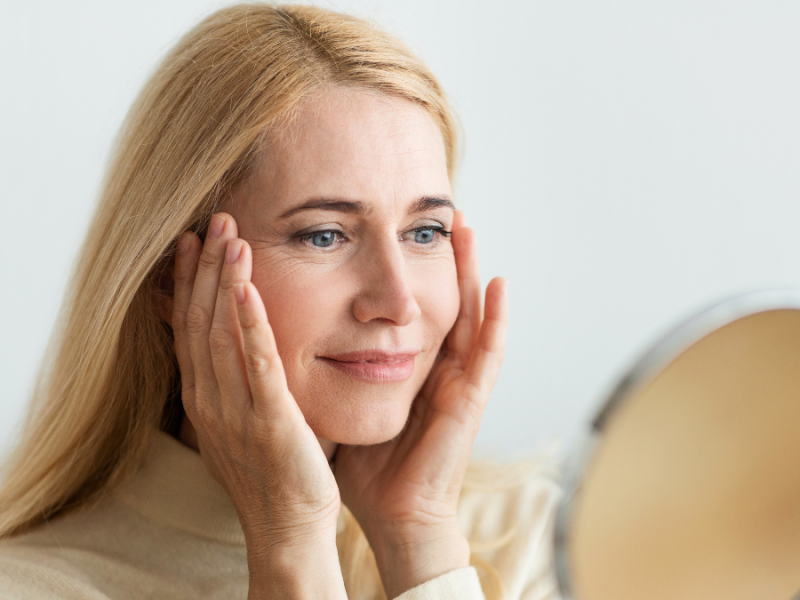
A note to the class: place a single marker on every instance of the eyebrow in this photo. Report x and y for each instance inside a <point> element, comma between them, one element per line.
<point>356,207</point>
<point>429,203</point>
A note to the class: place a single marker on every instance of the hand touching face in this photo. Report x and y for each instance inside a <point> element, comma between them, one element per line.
<point>326,320</point>
<point>348,214</point>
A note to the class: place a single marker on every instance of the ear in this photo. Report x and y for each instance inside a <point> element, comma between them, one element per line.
<point>162,290</point>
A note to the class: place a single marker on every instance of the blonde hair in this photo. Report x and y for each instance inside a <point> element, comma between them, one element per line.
<point>189,139</point>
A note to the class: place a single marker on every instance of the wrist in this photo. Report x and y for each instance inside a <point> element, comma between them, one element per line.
<point>271,531</point>
<point>410,559</point>
<point>298,568</point>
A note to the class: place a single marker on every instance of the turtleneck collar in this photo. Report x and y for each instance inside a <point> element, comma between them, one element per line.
<point>173,488</point>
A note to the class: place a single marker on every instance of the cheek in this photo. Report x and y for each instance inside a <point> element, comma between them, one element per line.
<point>293,297</point>
<point>306,306</point>
<point>439,300</point>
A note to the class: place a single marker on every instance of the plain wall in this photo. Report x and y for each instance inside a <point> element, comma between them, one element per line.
<point>626,163</point>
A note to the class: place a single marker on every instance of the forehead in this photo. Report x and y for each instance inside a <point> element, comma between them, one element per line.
<point>354,144</point>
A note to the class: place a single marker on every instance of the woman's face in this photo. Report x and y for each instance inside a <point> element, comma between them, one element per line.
<point>343,216</point>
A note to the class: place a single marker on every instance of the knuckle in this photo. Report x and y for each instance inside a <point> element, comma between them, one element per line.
<point>257,365</point>
<point>207,260</point>
<point>182,270</point>
<point>187,388</point>
<point>197,319</point>
<point>226,284</point>
<point>473,389</point>
<point>473,406</point>
<point>248,323</point>
<point>178,322</point>
<point>499,355</point>
<point>204,412</point>
<point>220,341</point>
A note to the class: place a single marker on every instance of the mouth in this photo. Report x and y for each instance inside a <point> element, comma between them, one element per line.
<point>374,366</point>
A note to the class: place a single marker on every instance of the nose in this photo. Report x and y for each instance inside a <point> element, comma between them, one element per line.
<point>385,293</point>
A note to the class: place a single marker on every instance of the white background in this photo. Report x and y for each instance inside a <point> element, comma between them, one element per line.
<point>626,164</point>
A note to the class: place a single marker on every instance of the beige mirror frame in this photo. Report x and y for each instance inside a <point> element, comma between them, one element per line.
<point>632,385</point>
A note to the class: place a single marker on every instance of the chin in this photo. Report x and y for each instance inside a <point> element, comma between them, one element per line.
<point>364,425</point>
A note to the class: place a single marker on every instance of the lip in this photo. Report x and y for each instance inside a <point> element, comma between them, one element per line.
<point>374,366</point>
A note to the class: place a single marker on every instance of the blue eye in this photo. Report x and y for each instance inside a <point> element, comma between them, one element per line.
<point>424,236</point>
<point>322,239</point>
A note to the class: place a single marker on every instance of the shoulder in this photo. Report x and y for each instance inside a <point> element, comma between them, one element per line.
<point>94,552</point>
<point>31,569</point>
<point>507,512</point>
<point>109,550</point>
<point>63,557</point>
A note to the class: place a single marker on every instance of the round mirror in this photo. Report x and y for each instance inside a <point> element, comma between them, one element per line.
<point>688,486</point>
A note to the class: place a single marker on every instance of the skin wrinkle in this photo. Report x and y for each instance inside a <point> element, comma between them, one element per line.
<point>388,153</point>
<point>357,207</point>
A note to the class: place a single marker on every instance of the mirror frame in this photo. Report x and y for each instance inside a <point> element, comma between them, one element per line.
<point>643,371</point>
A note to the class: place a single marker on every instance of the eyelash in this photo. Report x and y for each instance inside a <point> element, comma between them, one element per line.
<point>306,237</point>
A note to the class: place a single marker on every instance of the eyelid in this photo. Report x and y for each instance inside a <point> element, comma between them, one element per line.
<point>427,224</point>
<point>320,229</point>
<point>437,228</point>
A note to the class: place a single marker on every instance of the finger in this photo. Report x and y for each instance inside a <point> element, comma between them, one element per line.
<point>225,338</point>
<point>186,256</point>
<point>465,330</point>
<point>272,400</point>
<point>221,229</point>
<point>487,357</point>
<point>459,220</point>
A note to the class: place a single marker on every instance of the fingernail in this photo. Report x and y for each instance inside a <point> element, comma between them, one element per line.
<point>216,226</point>
<point>232,252</point>
<point>183,244</point>
<point>240,293</point>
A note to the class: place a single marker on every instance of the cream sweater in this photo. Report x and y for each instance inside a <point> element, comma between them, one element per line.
<point>172,533</point>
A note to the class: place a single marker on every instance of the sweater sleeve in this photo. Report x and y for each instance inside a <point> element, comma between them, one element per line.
<point>509,523</point>
<point>461,584</point>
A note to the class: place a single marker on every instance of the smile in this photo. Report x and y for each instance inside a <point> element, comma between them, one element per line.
<point>374,366</point>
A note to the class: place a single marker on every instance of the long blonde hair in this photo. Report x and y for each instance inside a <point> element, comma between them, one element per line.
<point>189,139</point>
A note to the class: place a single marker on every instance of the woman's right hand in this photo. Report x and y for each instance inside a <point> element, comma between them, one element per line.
<point>251,434</point>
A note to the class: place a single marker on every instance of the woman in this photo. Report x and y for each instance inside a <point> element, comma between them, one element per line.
<point>276,277</point>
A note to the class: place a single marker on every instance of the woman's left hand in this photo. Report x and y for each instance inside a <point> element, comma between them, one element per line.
<point>405,492</point>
